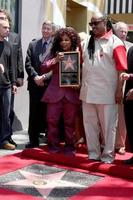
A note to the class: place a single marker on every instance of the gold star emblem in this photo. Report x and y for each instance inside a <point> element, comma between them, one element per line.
<point>69,63</point>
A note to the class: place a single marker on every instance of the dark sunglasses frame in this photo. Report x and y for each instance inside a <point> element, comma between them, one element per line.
<point>95,23</point>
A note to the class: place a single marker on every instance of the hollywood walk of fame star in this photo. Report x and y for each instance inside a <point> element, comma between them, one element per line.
<point>69,63</point>
<point>44,184</point>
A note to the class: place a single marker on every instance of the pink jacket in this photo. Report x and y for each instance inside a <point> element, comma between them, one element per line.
<point>54,92</point>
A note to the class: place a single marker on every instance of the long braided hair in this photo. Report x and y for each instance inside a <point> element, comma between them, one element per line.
<point>91,47</point>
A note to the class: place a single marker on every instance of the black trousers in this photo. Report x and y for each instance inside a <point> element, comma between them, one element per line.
<point>12,113</point>
<point>37,115</point>
<point>128,111</point>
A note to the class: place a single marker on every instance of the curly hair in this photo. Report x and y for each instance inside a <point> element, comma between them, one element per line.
<point>4,11</point>
<point>71,33</point>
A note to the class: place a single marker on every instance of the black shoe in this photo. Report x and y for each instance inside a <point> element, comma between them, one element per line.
<point>41,136</point>
<point>31,145</point>
<point>129,161</point>
<point>11,141</point>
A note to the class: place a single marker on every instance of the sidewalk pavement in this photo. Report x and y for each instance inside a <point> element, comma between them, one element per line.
<point>21,139</point>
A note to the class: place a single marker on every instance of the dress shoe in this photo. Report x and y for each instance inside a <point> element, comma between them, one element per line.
<point>69,151</point>
<point>43,139</point>
<point>8,146</point>
<point>41,135</point>
<point>11,141</point>
<point>80,141</point>
<point>120,151</point>
<point>54,149</point>
<point>107,161</point>
<point>31,145</point>
<point>95,160</point>
<point>128,161</point>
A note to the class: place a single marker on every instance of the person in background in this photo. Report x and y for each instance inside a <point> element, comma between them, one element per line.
<point>104,58</point>
<point>55,28</point>
<point>121,30</point>
<point>83,37</point>
<point>7,85</point>
<point>80,133</point>
<point>61,101</point>
<point>17,62</point>
<point>37,52</point>
<point>128,102</point>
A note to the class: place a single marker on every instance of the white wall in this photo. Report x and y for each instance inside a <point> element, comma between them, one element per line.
<point>32,19</point>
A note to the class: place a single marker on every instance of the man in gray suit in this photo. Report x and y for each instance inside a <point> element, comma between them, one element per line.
<point>37,52</point>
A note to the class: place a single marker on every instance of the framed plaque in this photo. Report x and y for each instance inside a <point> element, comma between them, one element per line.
<point>69,70</point>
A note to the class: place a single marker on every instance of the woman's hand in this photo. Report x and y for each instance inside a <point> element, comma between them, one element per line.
<point>59,57</point>
<point>39,80</point>
<point>119,96</point>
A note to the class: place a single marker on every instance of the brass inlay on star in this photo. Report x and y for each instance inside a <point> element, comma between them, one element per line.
<point>39,182</point>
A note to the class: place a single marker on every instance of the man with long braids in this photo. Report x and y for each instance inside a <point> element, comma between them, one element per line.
<point>104,60</point>
<point>61,101</point>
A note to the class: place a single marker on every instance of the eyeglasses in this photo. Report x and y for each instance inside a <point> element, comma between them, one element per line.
<point>95,23</point>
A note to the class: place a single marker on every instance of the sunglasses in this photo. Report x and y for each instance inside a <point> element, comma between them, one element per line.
<point>95,23</point>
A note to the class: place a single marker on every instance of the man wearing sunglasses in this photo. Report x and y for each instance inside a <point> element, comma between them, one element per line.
<point>101,90</point>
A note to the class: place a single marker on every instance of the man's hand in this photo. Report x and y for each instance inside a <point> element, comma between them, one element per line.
<point>20,82</point>
<point>14,89</point>
<point>124,76</point>
<point>2,70</point>
<point>39,80</point>
<point>119,96</point>
<point>129,95</point>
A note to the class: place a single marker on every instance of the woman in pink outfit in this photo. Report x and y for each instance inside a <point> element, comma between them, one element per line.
<point>61,101</point>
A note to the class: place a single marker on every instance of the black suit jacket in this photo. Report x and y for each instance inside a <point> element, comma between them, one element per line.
<point>17,56</point>
<point>33,61</point>
<point>129,82</point>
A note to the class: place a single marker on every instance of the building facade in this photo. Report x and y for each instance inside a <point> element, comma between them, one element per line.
<point>28,16</point>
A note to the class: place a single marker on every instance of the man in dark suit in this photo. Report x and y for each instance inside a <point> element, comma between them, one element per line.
<point>7,86</point>
<point>37,52</point>
<point>17,61</point>
<point>14,39</point>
